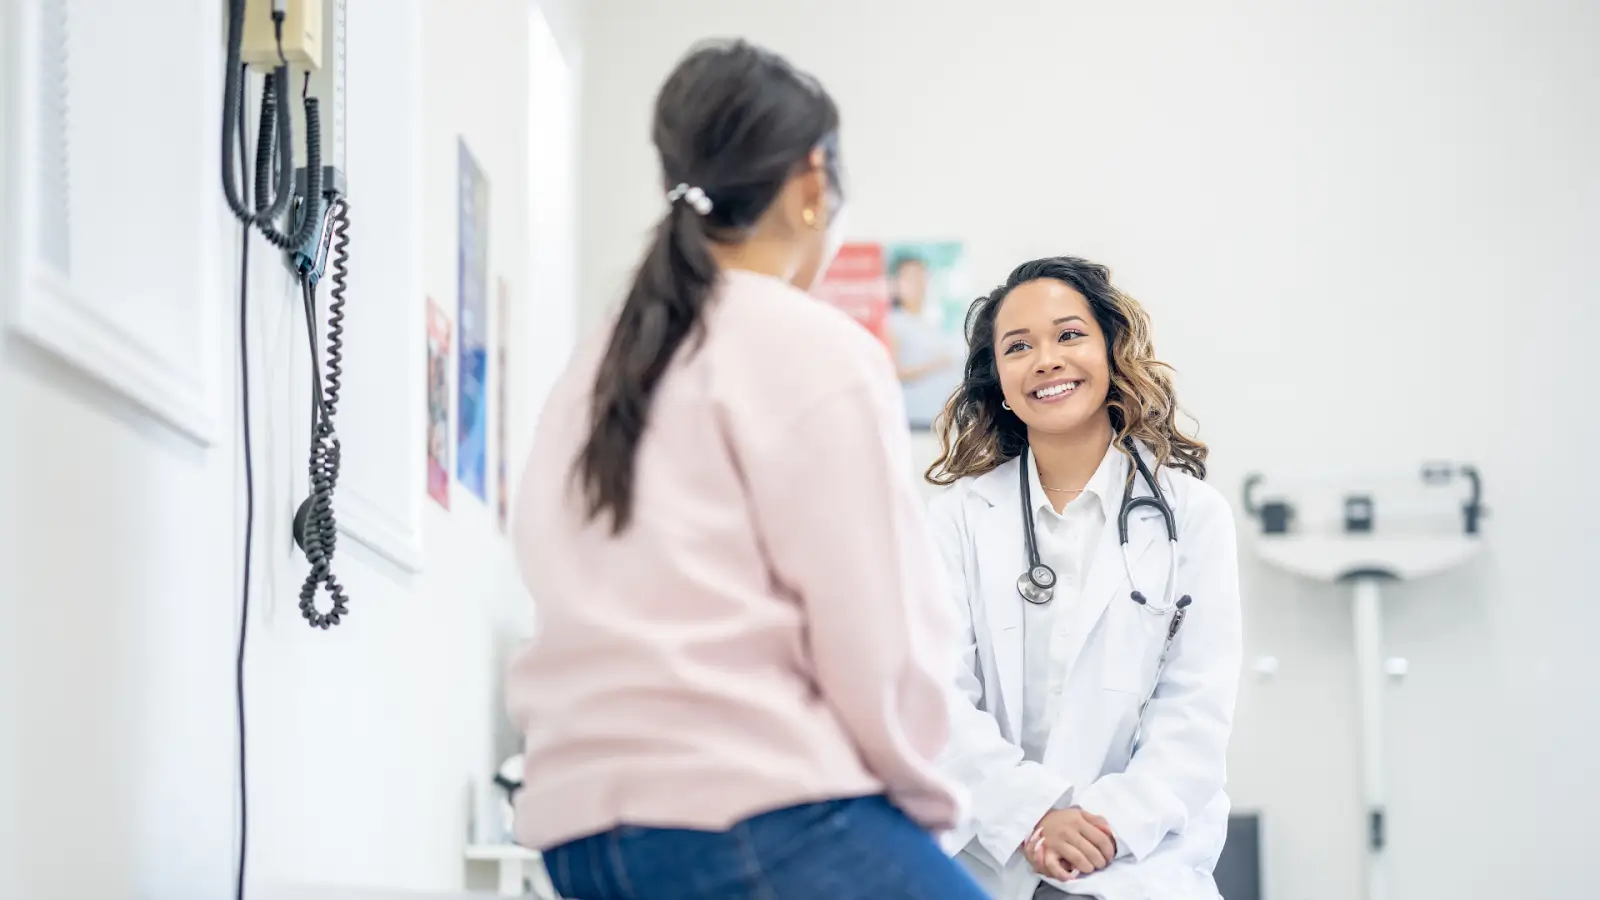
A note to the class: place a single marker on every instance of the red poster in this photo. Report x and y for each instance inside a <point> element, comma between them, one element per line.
<point>438,405</point>
<point>858,284</point>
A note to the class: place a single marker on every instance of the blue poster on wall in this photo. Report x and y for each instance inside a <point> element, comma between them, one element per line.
<point>472,324</point>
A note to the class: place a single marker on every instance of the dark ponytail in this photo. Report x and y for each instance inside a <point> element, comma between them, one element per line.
<point>735,121</point>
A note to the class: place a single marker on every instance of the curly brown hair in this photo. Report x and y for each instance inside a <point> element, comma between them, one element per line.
<point>977,434</point>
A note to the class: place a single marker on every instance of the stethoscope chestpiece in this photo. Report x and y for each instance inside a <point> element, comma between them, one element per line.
<point>1043,576</point>
<point>1037,585</point>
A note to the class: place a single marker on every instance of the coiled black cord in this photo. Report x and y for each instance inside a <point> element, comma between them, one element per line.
<point>310,208</point>
<point>340,215</point>
<point>268,154</point>
<point>321,529</point>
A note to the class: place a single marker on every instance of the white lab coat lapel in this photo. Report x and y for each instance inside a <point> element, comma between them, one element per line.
<point>1002,557</point>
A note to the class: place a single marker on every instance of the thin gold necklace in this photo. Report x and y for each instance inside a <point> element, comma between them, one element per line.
<point>1063,490</point>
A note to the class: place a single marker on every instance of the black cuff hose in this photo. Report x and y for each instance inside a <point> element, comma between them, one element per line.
<point>310,209</point>
<point>319,527</point>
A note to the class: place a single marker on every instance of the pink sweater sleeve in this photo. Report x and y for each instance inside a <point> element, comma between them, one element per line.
<point>844,528</point>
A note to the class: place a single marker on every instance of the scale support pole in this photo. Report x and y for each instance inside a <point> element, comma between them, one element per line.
<point>1368,619</point>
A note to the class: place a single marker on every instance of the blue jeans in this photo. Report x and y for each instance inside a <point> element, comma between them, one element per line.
<point>837,850</point>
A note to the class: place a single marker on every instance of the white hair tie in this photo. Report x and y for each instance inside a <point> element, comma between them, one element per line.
<point>695,197</point>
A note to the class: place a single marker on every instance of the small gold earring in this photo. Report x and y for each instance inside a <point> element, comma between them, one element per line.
<point>809,216</point>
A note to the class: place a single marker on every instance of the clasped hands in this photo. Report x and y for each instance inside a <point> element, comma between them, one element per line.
<point>1070,842</point>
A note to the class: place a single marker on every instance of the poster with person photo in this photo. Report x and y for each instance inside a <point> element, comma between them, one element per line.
<point>914,296</point>
<point>856,283</point>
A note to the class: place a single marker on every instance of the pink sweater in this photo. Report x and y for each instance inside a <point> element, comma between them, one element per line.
<point>771,629</point>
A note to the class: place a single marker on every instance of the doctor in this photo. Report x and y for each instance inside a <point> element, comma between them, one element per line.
<point>1099,671</point>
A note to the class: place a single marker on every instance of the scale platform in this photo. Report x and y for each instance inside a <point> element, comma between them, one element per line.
<point>1344,557</point>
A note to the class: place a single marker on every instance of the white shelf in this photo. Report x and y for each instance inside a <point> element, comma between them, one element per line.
<point>516,866</point>
<point>499,852</point>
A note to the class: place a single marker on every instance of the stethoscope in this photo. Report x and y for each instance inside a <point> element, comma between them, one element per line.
<point>1038,584</point>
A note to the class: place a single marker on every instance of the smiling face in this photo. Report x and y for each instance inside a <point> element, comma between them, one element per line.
<point>1050,355</point>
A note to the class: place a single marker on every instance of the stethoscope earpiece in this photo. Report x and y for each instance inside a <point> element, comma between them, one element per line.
<point>1138,598</point>
<point>1184,601</point>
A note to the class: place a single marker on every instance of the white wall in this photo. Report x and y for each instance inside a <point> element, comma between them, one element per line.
<point>121,504</point>
<point>1365,232</point>
<point>10,733</point>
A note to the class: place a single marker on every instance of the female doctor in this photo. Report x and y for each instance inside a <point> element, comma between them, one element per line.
<point>1102,628</point>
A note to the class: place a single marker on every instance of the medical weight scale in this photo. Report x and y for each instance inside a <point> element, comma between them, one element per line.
<point>1360,552</point>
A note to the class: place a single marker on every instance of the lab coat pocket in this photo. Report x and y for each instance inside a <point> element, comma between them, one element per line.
<point>1134,638</point>
<point>1131,649</point>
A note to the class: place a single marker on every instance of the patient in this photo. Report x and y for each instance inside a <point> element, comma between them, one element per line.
<point>737,688</point>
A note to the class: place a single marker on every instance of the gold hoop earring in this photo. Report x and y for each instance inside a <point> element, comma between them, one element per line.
<point>809,216</point>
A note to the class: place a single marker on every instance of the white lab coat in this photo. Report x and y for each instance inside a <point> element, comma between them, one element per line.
<point>1164,798</point>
